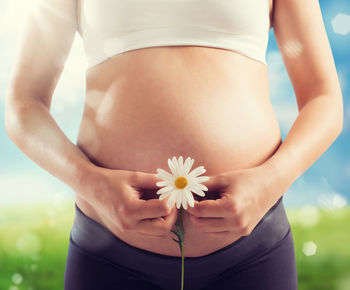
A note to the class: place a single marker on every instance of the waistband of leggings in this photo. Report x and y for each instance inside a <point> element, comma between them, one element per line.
<point>90,235</point>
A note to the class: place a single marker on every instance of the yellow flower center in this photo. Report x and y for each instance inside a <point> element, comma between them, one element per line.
<point>181,182</point>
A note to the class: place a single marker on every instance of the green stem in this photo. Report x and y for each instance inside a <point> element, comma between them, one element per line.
<point>182,269</point>
<point>180,233</point>
<point>182,252</point>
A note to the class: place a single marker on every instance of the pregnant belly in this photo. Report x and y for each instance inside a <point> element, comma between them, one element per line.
<point>141,136</point>
<point>138,125</point>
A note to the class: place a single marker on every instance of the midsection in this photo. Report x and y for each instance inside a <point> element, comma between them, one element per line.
<point>147,105</point>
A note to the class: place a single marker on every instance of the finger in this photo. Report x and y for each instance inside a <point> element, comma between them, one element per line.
<point>210,224</point>
<point>209,208</point>
<point>158,226</point>
<point>215,182</point>
<point>151,227</point>
<point>144,180</point>
<point>224,235</point>
<point>151,208</point>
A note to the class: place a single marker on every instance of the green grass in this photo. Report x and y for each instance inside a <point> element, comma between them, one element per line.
<point>329,268</point>
<point>34,241</point>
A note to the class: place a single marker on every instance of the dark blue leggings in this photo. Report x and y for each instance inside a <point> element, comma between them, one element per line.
<point>264,260</point>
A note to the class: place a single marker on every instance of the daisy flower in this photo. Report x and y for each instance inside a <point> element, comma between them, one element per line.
<point>178,186</point>
<point>181,182</point>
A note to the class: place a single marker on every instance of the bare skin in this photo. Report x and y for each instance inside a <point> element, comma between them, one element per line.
<point>152,114</point>
<point>207,103</point>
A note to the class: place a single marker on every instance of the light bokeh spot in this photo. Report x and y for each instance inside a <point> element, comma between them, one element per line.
<point>309,216</point>
<point>29,243</point>
<point>309,248</point>
<point>343,283</point>
<point>17,278</point>
<point>341,23</point>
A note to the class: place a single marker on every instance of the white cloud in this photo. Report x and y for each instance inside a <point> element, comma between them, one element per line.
<point>342,80</point>
<point>346,121</point>
<point>332,200</point>
<point>313,190</point>
<point>286,114</point>
<point>279,81</point>
<point>278,78</point>
<point>281,91</point>
<point>347,170</point>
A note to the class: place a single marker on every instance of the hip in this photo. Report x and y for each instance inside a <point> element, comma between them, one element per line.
<point>96,241</point>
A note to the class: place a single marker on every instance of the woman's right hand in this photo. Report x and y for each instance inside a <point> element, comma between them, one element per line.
<point>116,197</point>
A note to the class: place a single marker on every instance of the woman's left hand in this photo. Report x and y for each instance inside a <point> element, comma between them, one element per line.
<point>246,195</point>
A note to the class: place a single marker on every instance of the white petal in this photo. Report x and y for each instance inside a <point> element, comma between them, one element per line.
<point>172,167</point>
<point>197,171</point>
<point>190,198</point>
<point>163,174</point>
<point>192,161</point>
<point>162,183</point>
<point>196,190</point>
<point>172,197</point>
<point>165,195</point>
<point>200,193</point>
<point>199,186</point>
<point>169,203</point>
<point>183,199</point>
<point>165,189</point>
<point>178,198</point>
<point>190,180</point>
<point>187,165</point>
<point>201,179</point>
<point>180,165</point>
<point>176,165</point>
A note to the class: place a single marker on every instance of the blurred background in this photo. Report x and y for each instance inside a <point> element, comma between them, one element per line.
<point>37,210</point>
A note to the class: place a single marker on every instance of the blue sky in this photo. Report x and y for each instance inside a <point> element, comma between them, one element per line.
<point>326,183</point>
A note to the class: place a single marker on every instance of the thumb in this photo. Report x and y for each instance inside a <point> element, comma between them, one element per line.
<point>171,218</point>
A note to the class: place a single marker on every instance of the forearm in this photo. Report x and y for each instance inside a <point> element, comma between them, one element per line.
<point>318,124</point>
<point>32,128</point>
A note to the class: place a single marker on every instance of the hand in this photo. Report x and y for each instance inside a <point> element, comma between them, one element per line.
<point>246,195</point>
<point>116,197</point>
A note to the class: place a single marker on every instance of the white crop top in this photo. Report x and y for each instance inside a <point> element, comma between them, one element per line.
<point>110,27</point>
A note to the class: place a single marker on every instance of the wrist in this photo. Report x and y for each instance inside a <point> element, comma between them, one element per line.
<point>278,177</point>
<point>87,172</point>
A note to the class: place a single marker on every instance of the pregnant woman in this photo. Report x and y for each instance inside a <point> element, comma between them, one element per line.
<point>177,78</point>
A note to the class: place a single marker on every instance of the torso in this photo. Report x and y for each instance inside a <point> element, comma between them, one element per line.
<point>147,105</point>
